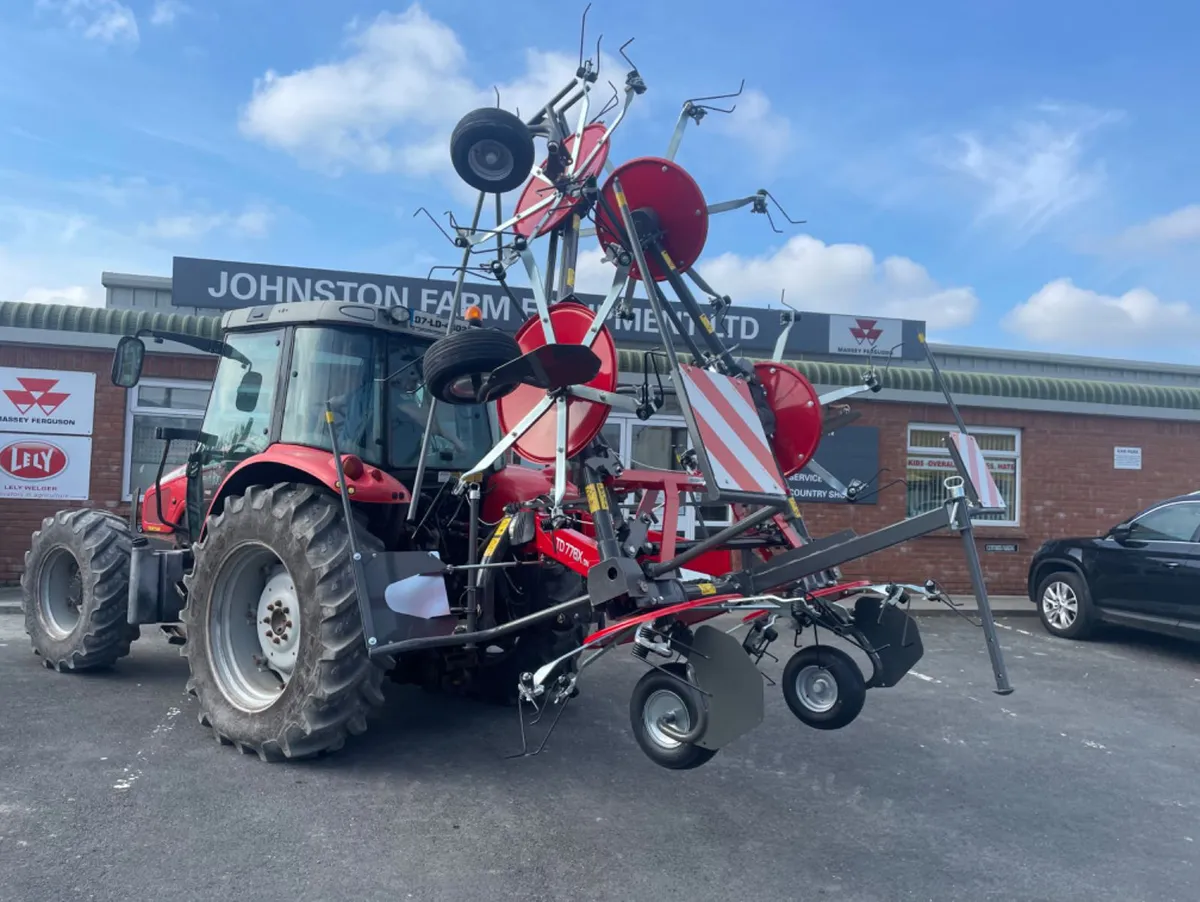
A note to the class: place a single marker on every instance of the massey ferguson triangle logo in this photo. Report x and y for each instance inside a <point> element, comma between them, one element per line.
<point>865,331</point>
<point>36,392</point>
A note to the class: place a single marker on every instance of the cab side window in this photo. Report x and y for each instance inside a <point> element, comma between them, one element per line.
<point>1172,523</point>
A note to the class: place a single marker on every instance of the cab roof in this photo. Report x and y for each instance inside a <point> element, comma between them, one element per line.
<point>399,320</point>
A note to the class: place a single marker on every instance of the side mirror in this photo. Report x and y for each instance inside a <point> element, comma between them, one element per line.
<point>127,361</point>
<point>247,392</point>
<point>1120,532</point>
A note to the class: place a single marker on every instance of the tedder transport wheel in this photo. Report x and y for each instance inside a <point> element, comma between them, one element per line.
<point>76,590</point>
<point>823,687</point>
<point>454,366</point>
<point>492,150</point>
<point>275,643</point>
<point>658,697</point>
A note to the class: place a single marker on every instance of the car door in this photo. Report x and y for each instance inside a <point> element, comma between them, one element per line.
<point>1152,567</point>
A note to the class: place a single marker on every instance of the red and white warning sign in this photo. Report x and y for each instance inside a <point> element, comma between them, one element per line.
<point>978,471</point>
<point>731,434</point>
<point>52,402</point>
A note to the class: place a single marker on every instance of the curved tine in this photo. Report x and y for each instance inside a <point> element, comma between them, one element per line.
<point>445,234</point>
<point>699,102</point>
<point>582,32</point>
<point>625,56</point>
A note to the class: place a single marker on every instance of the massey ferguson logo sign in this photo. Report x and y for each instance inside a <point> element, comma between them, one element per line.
<point>866,336</point>
<point>46,401</point>
<point>33,461</point>
<point>36,393</point>
<point>865,332</point>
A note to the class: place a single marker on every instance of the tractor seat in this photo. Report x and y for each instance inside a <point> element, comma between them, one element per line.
<point>551,367</point>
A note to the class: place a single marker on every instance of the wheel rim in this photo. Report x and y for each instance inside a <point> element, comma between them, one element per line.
<point>60,593</point>
<point>491,160</point>
<point>665,706</point>
<point>254,628</point>
<point>816,688</point>
<point>1060,605</point>
<point>464,387</point>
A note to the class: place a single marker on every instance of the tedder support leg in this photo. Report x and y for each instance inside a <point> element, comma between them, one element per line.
<point>985,608</point>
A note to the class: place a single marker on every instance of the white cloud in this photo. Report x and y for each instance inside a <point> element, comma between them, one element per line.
<point>390,102</point>
<point>1163,233</point>
<point>74,296</point>
<point>253,222</point>
<point>1036,171</point>
<point>107,21</point>
<point>165,12</point>
<point>824,278</point>
<point>1063,314</point>
<point>766,133</point>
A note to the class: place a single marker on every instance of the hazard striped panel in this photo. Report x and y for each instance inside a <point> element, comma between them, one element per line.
<point>731,434</point>
<point>977,470</point>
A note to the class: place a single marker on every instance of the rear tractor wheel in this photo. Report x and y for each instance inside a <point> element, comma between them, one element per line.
<point>75,589</point>
<point>275,645</point>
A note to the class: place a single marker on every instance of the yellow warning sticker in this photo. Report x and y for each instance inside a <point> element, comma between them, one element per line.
<point>494,541</point>
<point>792,503</point>
<point>595,498</point>
<point>707,588</point>
<point>706,322</point>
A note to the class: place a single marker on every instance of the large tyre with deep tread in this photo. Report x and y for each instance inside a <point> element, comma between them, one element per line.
<point>75,589</point>
<point>334,686</point>
<point>492,150</point>
<point>454,366</point>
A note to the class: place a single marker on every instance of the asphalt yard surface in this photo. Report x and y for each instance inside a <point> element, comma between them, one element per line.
<point>1083,784</point>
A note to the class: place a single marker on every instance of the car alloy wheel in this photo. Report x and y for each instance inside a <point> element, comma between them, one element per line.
<point>1060,605</point>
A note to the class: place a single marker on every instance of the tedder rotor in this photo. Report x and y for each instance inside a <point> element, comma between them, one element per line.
<point>349,510</point>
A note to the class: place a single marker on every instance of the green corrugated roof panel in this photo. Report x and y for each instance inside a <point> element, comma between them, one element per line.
<point>997,385</point>
<point>103,321</point>
<point>908,378</point>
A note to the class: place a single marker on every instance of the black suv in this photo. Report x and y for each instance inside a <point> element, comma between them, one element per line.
<point>1143,573</point>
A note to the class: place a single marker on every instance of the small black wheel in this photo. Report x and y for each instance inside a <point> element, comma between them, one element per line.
<point>824,687</point>
<point>455,366</point>
<point>492,150</point>
<point>1064,605</point>
<point>659,698</point>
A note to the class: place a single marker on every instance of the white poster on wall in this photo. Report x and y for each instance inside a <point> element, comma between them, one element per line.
<point>45,468</point>
<point>52,402</point>
<point>865,335</point>
<point>1127,458</point>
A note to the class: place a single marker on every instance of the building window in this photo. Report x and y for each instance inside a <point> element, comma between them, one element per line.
<point>158,402</point>
<point>929,463</point>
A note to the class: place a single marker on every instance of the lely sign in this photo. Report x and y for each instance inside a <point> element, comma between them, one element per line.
<point>35,467</point>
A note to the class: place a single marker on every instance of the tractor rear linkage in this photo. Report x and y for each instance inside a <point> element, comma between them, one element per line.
<point>633,573</point>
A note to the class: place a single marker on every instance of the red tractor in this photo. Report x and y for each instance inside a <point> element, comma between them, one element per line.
<point>346,513</point>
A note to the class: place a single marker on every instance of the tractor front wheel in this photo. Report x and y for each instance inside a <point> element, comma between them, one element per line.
<point>275,645</point>
<point>75,590</point>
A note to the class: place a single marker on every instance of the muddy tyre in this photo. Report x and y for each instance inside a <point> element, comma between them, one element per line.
<point>75,590</point>
<point>455,366</point>
<point>275,647</point>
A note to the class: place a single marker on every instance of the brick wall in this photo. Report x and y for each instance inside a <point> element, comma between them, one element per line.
<point>1067,487</point>
<point>19,518</point>
<point>1067,481</point>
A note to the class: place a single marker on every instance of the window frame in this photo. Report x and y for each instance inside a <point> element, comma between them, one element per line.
<point>1195,538</point>
<point>132,409</point>
<point>1014,520</point>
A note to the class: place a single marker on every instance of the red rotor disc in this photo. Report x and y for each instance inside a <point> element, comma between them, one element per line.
<point>536,189</point>
<point>666,188</point>
<point>570,321</point>
<point>798,417</point>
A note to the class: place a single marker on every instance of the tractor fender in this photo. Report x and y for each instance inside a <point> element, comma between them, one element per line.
<point>311,466</point>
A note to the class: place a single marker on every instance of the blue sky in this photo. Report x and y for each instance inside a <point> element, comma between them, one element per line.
<point>1019,175</point>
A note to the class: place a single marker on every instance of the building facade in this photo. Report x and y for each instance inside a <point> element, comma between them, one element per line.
<point>1075,444</point>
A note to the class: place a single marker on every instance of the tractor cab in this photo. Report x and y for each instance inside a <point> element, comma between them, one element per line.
<point>279,367</point>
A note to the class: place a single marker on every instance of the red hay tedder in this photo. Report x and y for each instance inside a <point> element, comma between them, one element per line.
<point>346,513</point>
